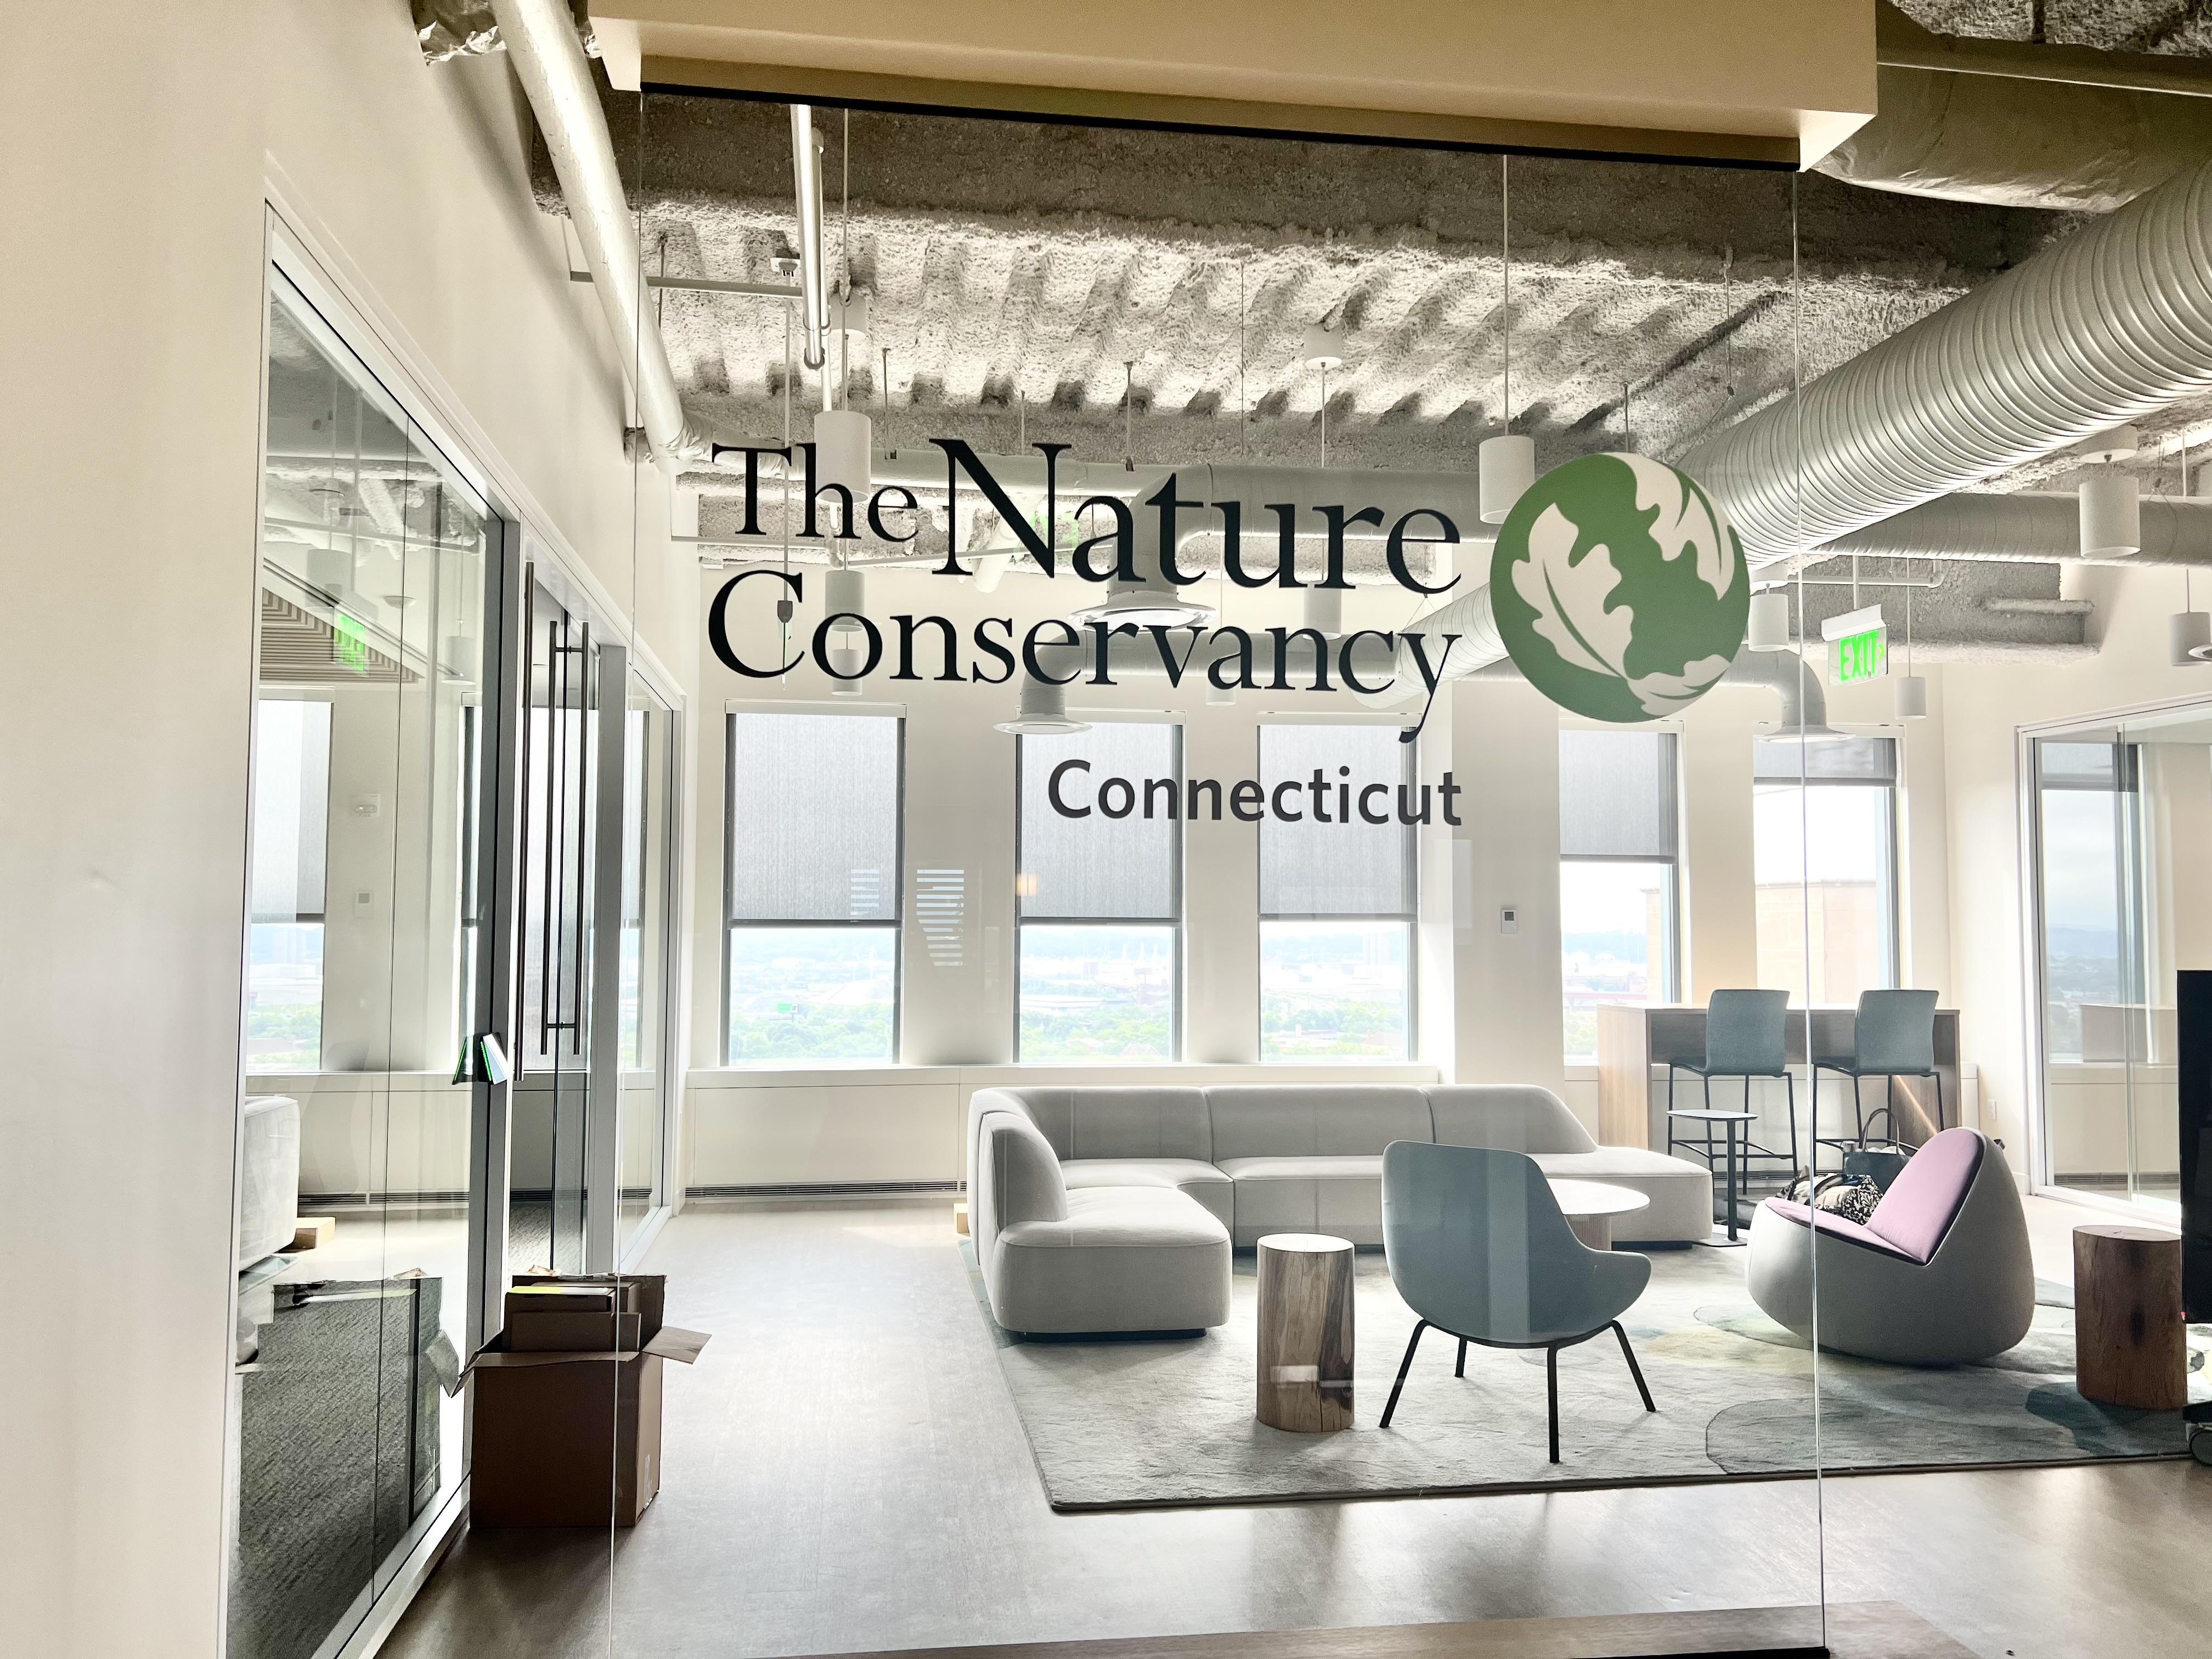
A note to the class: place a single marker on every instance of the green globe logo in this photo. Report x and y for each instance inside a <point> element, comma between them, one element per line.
<point>1619,588</point>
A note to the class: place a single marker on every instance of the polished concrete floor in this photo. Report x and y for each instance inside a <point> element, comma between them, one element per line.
<point>845,1472</point>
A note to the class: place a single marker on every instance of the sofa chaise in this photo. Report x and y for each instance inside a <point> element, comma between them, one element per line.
<point>1116,1209</point>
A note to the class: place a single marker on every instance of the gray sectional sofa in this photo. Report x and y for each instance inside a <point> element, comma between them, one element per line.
<point>1116,1209</point>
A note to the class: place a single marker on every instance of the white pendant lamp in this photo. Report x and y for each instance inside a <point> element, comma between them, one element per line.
<point>1768,629</point>
<point>1322,349</point>
<point>1145,607</point>
<point>846,594</point>
<point>1505,467</point>
<point>2189,639</point>
<point>1044,712</point>
<point>842,438</point>
<point>1324,610</point>
<point>2112,509</point>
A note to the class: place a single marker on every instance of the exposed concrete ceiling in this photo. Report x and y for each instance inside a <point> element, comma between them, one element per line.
<point>1021,274</point>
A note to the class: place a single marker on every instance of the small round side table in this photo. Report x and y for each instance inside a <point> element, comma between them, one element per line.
<point>1305,1333</point>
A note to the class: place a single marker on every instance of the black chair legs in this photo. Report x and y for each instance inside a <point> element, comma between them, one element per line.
<point>1634,1370</point>
<point>1552,1396</point>
<point>1551,1376</point>
<point>1404,1366</point>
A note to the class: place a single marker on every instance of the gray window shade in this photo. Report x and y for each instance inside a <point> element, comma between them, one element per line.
<point>1353,869</point>
<point>1849,760</point>
<point>1617,795</point>
<point>2095,766</point>
<point>814,803</point>
<point>1119,869</point>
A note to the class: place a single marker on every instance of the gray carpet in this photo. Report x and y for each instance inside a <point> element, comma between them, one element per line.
<point>1118,1423</point>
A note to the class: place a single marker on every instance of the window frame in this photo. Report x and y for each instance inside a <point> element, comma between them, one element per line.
<point>1409,918</point>
<point>1177,933</point>
<point>731,923</point>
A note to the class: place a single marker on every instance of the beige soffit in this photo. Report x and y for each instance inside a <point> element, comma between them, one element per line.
<point>1778,82</point>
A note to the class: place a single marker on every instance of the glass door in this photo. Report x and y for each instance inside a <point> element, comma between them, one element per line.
<point>548,1131</point>
<point>648,847</point>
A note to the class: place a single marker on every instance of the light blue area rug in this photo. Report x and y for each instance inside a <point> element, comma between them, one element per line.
<point>1126,1423</point>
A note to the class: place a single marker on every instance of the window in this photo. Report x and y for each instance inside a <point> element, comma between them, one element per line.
<point>1100,889</point>
<point>1336,893</point>
<point>291,830</point>
<point>2090,798</point>
<point>1619,842</point>
<point>1823,856</point>
<point>813,885</point>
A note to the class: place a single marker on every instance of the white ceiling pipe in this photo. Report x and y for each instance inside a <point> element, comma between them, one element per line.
<point>1988,383</point>
<point>557,78</point>
<point>2035,528</point>
<point>813,282</point>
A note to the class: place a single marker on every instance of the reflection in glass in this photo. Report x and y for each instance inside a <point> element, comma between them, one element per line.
<point>1333,988</point>
<point>1824,859</point>
<point>648,820</point>
<point>372,577</point>
<point>1097,992</point>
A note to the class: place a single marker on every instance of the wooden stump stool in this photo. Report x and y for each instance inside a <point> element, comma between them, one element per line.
<point>2130,1340</point>
<point>1305,1332</point>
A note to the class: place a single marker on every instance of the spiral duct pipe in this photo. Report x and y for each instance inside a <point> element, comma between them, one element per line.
<point>2034,528</point>
<point>2111,324</point>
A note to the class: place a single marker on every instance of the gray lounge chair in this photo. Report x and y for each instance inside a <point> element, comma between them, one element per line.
<point>1478,1249</point>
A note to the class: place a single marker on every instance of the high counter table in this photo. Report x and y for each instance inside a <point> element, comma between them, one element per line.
<point>1635,1039</point>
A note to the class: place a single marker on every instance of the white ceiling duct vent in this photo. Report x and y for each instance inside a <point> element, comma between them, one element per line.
<point>1044,712</point>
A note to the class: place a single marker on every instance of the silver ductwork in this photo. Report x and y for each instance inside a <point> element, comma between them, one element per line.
<point>540,36</point>
<point>2108,326</point>
<point>2009,142</point>
<point>2030,528</point>
<point>1796,682</point>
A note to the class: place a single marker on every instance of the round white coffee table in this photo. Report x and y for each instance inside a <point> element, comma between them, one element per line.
<point>1590,1205</point>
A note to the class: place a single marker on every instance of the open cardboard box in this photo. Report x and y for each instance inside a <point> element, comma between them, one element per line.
<point>571,1437</point>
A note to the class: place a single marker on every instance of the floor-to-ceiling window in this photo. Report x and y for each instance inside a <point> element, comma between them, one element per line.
<point>1099,858</point>
<point>1336,891</point>
<point>1619,892</point>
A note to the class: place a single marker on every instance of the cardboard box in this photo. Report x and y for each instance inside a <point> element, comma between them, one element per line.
<point>571,1437</point>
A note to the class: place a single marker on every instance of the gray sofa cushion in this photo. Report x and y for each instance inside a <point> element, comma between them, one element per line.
<point>1506,1117</point>
<point>1118,1122</point>
<point>1121,1259</point>
<point>1202,1181</point>
<point>1279,1120</point>
<point>1341,1196</point>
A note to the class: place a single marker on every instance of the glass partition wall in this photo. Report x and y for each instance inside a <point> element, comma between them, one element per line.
<point>2120,811</point>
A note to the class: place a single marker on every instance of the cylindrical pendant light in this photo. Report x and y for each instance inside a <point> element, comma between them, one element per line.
<point>1768,626</point>
<point>2189,638</point>
<point>1505,467</point>
<point>1044,712</point>
<point>1911,697</point>
<point>1324,610</point>
<point>841,441</point>
<point>2111,516</point>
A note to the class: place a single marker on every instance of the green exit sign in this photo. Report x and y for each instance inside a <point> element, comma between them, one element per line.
<point>1861,656</point>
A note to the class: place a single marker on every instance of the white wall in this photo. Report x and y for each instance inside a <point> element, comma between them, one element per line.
<point>128,476</point>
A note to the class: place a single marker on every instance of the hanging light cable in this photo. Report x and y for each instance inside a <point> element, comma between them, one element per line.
<point>1505,465</point>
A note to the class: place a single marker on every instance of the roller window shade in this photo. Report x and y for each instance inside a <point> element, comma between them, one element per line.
<point>1851,760</point>
<point>1355,868</point>
<point>1617,795</point>
<point>1096,867</point>
<point>814,806</point>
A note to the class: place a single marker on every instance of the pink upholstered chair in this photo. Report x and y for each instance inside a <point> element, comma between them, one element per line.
<point>1939,1275</point>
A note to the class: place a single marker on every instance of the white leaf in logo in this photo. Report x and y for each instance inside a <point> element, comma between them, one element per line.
<point>1687,521</point>
<point>1569,598</point>
<point>1663,694</point>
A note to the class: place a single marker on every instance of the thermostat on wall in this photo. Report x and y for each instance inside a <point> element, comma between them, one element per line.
<point>1509,920</point>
